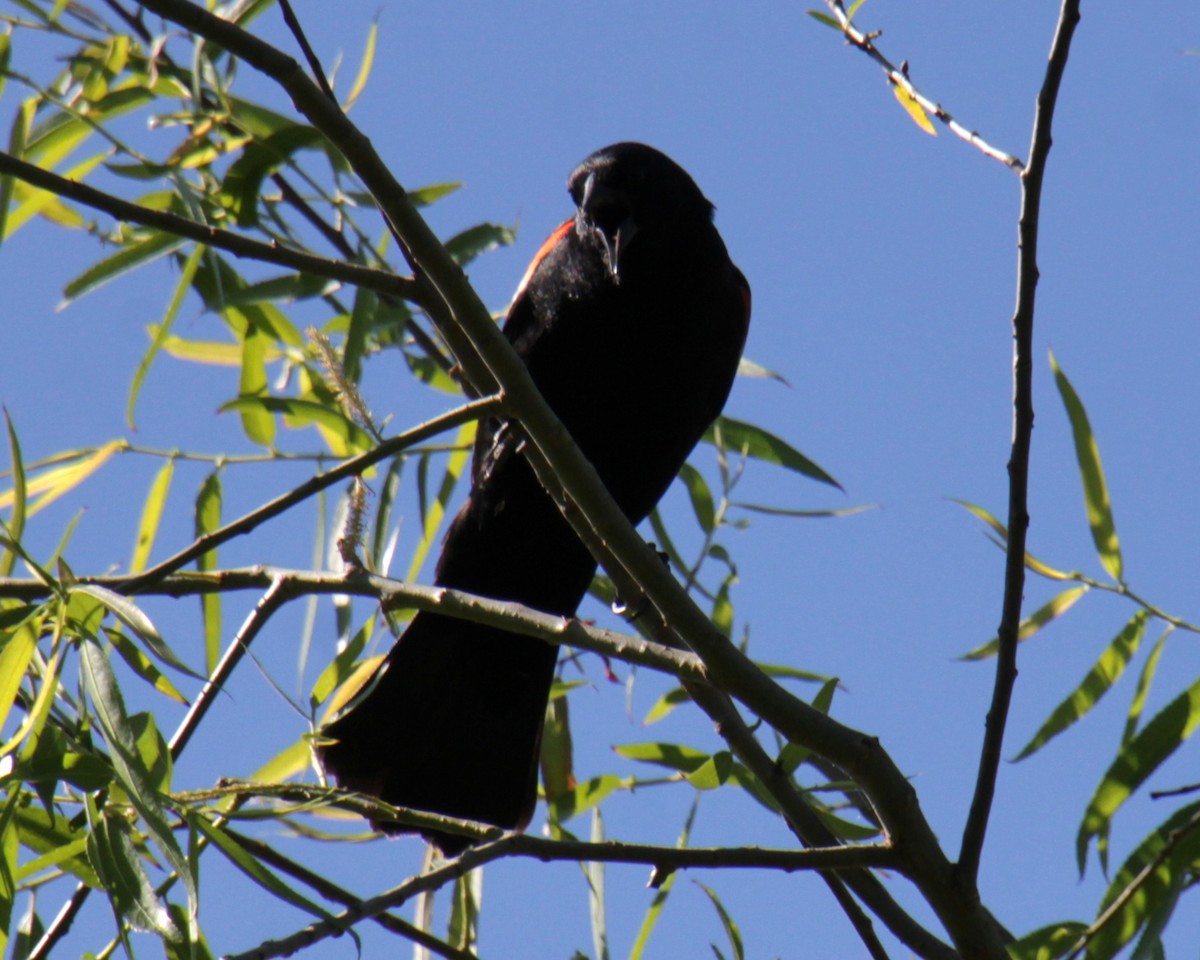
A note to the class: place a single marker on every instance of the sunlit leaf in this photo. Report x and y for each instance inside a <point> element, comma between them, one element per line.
<point>1032,562</point>
<point>16,652</point>
<point>914,109</point>
<point>1059,604</point>
<point>731,928</point>
<point>1091,472</point>
<point>364,68</point>
<point>755,442</point>
<point>1099,680</point>
<point>152,511</point>
<point>662,887</point>
<point>261,157</point>
<point>701,496</point>
<point>478,240</point>
<point>130,614</point>
<point>128,258</point>
<point>825,19</point>
<point>1135,762</point>
<point>1133,716</point>
<point>16,522</point>
<point>143,666</point>
<point>207,520</point>
<point>51,484</point>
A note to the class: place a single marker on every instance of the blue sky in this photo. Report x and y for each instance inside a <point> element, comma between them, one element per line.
<point>882,263</point>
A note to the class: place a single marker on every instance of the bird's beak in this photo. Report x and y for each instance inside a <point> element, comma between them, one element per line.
<point>607,213</point>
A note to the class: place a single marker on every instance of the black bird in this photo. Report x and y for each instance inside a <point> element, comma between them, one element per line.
<point>631,321</point>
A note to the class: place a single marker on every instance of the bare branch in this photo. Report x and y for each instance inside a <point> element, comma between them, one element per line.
<point>1018,463</point>
<point>898,76</point>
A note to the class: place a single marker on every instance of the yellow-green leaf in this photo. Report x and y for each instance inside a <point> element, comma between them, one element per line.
<point>1091,472</point>
<point>914,109</point>
<point>1058,605</point>
<point>151,515</point>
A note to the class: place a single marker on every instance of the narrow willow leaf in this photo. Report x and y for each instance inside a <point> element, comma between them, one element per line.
<point>208,519</point>
<point>432,514</point>
<point>1154,891</point>
<point>364,68</point>
<point>128,258</point>
<point>594,871</point>
<point>755,442</point>
<point>753,370</point>
<point>701,497</point>
<point>16,523</point>
<point>16,652</point>
<point>1091,472</point>
<point>257,421</point>
<point>1032,562</point>
<point>478,240</point>
<point>808,514</point>
<point>825,19</point>
<point>1059,604</point>
<point>665,704</point>
<point>731,928</point>
<point>674,756</point>
<point>914,109</point>
<point>51,484</point>
<point>260,158</point>
<point>137,781</point>
<point>713,772</point>
<point>425,196</point>
<point>210,352</point>
<point>350,438</point>
<point>181,288</point>
<point>48,837</point>
<point>557,753</point>
<point>134,617</point>
<point>152,512</point>
<point>1048,942</point>
<point>251,867</point>
<point>662,889</point>
<point>143,667</point>
<point>289,762</point>
<point>1136,761</point>
<point>585,796</point>
<point>1145,680</point>
<point>467,899</point>
<point>114,856</point>
<point>10,845</point>
<point>1099,680</point>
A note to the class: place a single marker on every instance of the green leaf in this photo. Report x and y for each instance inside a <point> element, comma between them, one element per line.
<point>433,513</point>
<point>1048,942</point>
<point>1099,680</point>
<point>257,422</point>
<point>300,413</point>
<point>251,867</point>
<point>663,888</point>
<point>16,652</point>
<point>1031,561</point>
<point>1149,881</point>
<point>57,481</point>
<point>208,519</point>
<point>1135,762</point>
<point>16,523</point>
<point>825,19</point>
<point>425,196</point>
<point>673,756</point>
<point>114,856</point>
<point>1059,604</point>
<point>130,614</point>
<point>557,753</point>
<point>701,497</point>
<point>1095,489</point>
<point>1145,681</point>
<point>181,288</point>
<point>475,241</point>
<point>584,796</point>
<point>260,158</point>
<point>137,781</point>
<point>731,929</point>
<point>804,514</point>
<point>152,511</point>
<point>713,772</point>
<point>130,257</point>
<point>912,106</point>
<point>364,69</point>
<point>665,704</point>
<point>143,667</point>
<point>52,837</point>
<point>755,442</point>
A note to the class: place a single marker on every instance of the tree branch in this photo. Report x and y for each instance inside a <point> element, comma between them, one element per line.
<point>235,243</point>
<point>898,76</point>
<point>1018,463</point>
<point>474,410</point>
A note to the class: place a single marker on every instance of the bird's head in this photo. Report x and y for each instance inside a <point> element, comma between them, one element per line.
<point>627,189</point>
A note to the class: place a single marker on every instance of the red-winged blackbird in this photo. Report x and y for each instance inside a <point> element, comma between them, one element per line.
<point>631,320</point>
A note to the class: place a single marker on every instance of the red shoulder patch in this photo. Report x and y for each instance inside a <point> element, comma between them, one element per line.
<point>561,231</point>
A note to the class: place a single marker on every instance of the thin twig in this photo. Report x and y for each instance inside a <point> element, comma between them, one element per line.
<point>270,601</point>
<point>899,77</point>
<point>1018,463</point>
<point>61,923</point>
<point>351,468</point>
<point>289,17</point>
<point>234,243</point>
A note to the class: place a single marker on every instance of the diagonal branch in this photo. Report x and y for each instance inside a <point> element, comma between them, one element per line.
<point>351,468</point>
<point>235,243</point>
<point>898,76</point>
<point>1018,463</point>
